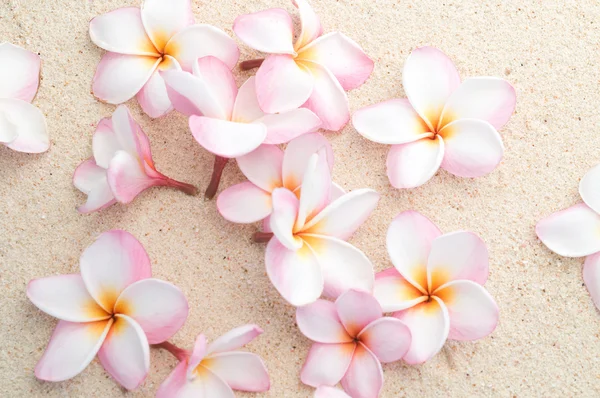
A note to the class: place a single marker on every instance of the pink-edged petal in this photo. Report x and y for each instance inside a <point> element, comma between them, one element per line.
<point>246,108</point>
<point>395,293</point>
<point>472,148</point>
<point>591,267</point>
<point>326,364</point>
<point>269,31</point>
<point>364,378</point>
<point>158,307</point>
<point>163,19</point>
<point>121,31</point>
<point>175,384</point>
<point>241,371</point>
<point>90,179</point>
<point>105,142</point>
<point>297,154</point>
<point>282,84</point>
<point>26,126</point>
<point>429,325</point>
<point>336,191</point>
<point>153,97</point>
<point>342,56</point>
<point>486,98</point>
<point>19,72</point>
<point>330,392</point>
<point>311,25</point>
<point>320,322</point>
<point>391,122</point>
<point>283,217</point>
<point>127,178</point>
<point>589,188</point>
<point>356,310</point>
<point>234,339</point>
<point>455,256</point>
<point>328,99</point>
<point>263,167</point>
<point>114,261</point>
<point>429,78</point>
<point>206,384</point>
<point>315,189</point>
<point>472,310</point>
<point>125,353</point>
<point>227,139</point>
<point>198,354</point>
<point>413,164</point>
<point>244,203</point>
<point>119,77</point>
<point>199,41</point>
<point>388,338</point>
<point>284,127</point>
<point>220,82</point>
<point>191,95</point>
<point>296,274</point>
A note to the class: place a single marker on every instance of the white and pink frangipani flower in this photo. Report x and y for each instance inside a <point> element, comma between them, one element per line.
<point>330,392</point>
<point>114,308</point>
<point>215,370</point>
<point>436,285</point>
<point>313,72</point>
<point>443,122</point>
<point>142,42</point>
<point>352,338</point>
<point>22,125</point>
<point>228,122</point>
<point>121,166</point>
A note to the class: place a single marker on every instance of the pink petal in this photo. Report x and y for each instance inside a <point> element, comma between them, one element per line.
<point>472,148</point>
<point>336,191</point>
<point>246,108</point>
<point>269,31</point>
<point>242,371</point>
<point>395,293</point>
<point>316,187</point>
<point>227,139</point>
<point>330,392</point>
<point>295,274</point>
<point>591,277</point>
<point>486,98</point>
<point>429,78</point>
<point>326,364</point>
<point>263,167</point>
<point>311,25</point>
<point>125,353</point>
<point>342,56</point>
<point>364,378</point>
<point>244,203</point>
<point>198,354</point>
<point>297,154</point>
<point>320,322</point>
<point>282,84</point>
<point>235,339</point>
<point>127,178</point>
<point>153,97</point>
<point>191,95</point>
<point>391,122</point>
<point>158,307</point>
<point>114,261</point>
<point>356,310</point>
<point>429,325</point>
<point>26,125</point>
<point>19,72</point>
<point>388,338</point>
<point>162,20</point>
<point>283,217</point>
<point>220,82</point>
<point>91,180</point>
<point>71,348</point>
<point>284,127</point>
<point>121,31</point>
<point>472,310</point>
<point>175,383</point>
<point>588,188</point>
<point>413,164</point>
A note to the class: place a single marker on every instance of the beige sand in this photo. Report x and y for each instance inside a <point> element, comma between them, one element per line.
<point>547,341</point>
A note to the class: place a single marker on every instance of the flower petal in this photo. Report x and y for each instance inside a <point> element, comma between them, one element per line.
<point>364,378</point>
<point>429,78</point>
<point>326,364</point>
<point>391,122</point>
<point>244,203</point>
<point>472,310</point>
<point>162,19</point>
<point>591,277</point>
<point>191,95</point>
<point>246,108</point>
<point>282,84</point>
<point>311,25</point>
<point>297,154</point>
<point>27,125</point>
<point>283,217</point>
<point>176,383</point>
<point>395,293</point>
<point>153,97</point>
<point>198,354</point>
<point>316,188</point>
<point>330,392</point>
<point>413,164</point>
<point>90,179</point>
<point>127,178</point>
<point>269,31</point>
<point>429,325</point>
<point>204,384</point>
<point>227,139</point>
<point>19,72</point>
<point>105,142</point>
<point>356,310</point>
<point>589,188</point>
<point>284,127</point>
<point>241,371</point>
<point>320,322</point>
<point>220,82</point>
<point>114,261</point>
<point>388,338</point>
<point>263,167</point>
<point>234,339</point>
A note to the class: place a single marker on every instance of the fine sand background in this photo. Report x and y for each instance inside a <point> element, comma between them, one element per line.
<point>547,342</point>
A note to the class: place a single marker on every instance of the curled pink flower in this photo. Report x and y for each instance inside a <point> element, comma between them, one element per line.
<point>142,42</point>
<point>122,165</point>
<point>22,125</point>
<point>228,122</point>
<point>443,122</point>
<point>313,72</point>
<point>214,370</point>
<point>436,285</point>
<point>113,308</point>
<point>352,338</point>
<point>330,392</point>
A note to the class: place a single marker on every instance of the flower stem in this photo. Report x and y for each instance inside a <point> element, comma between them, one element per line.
<point>262,237</point>
<point>188,189</point>
<point>211,190</point>
<point>251,63</point>
<point>177,352</point>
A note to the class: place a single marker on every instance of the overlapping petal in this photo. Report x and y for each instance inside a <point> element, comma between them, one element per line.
<point>269,31</point>
<point>311,25</point>
<point>395,293</point>
<point>242,371</point>
<point>326,364</point>
<point>356,310</point>
<point>244,203</point>
<point>153,97</point>
<point>319,321</point>
<point>589,188</point>
<point>591,277</point>
<point>283,217</point>
<point>388,338</point>
<point>162,19</point>
<point>127,178</point>
<point>235,338</point>
<point>413,164</point>
<point>25,125</point>
<point>364,378</point>
<point>246,108</point>
<point>90,179</point>
<point>316,186</point>
<point>296,157</point>
<point>19,72</point>
<point>225,138</point>
<point>284,127</point>
<point>330,392</point>
<point>263,167</point>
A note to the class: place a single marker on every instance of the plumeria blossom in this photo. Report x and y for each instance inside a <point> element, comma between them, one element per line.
<point>226,121</point>
<point>575,232</point>
<point>352,338</point>
<point>215,370</point>
<point>114,308</point>
<point>314,72</point>
<point>443,122</point>
<point>330,392</point>
<point>22,125</point>
<point>142,42</point>
<point>121,166</point>
<point>436,285</point>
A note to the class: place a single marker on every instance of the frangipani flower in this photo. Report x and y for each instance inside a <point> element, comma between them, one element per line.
<point>330,392</point>
<point>140,43</point>
<point>214,370</point>
<point>313,72</point>
<point>351,338</point>
<point>443,122</point>
<point>114,308</point>
<point>122,165</point>
<point>22,125</point>
<point>436,285</point>
<point>228,122</point>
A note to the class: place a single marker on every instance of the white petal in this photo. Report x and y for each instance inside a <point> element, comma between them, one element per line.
<point>244,203</point>
<point>283,217</point>
<point>153,97</point>
<point>589,188</point>
<point>284,127</point>
<point>268,31</point>
<point>413,164</point>
<point>311,25</point>
<point>227,139</point>
<point>19,72</point>
<point>90,179</point>
<point>163,19</point>
<point>326,364</point>
<point>27,124</point>
<point>263,167</point>
<point>234,339</point>
<point>246,108</point>
<point>591,277</point>
<point>297,154</point>
<point>315,189</point>
<point>242,371</point>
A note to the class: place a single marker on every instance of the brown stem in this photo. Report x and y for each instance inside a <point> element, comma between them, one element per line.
<point>188,189</point>
<point>251,63</point>
<point>262,237</point>
<point>211,190</point>
<point>177,352</point>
